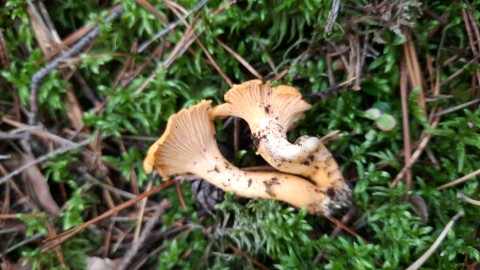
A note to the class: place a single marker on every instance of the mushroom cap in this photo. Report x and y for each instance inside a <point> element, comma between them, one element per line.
<point>255,101</point>
<point>149,160</point>
<point>188,138</point>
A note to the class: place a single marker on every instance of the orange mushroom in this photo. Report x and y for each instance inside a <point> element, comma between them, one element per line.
<point>188,145</point>
<point>271,112</point>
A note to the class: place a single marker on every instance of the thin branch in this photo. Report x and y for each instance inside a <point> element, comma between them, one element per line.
<point>22,243</point>
<point>437,242</point>
<point>141,212</point>
<point>464,198</point>
<point>43,158</point>
<point>460,180</point>
<point>75,49</point>
<point>170,26</point>
<point>240,59</point>
<point>332,16</point>
<point>161,209</point>
<point>326,92</point>
<point>38,131</point>
<point>345,228</point>
<point>405,121</point>
<point>421,146</point>
<point>458,107</point>
<point>345,219</point>
<point>248,257</point>
<point>471,40</point>
<point>62,237</point>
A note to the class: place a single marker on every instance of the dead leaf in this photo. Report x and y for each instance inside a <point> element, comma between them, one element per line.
<point>39,185</point>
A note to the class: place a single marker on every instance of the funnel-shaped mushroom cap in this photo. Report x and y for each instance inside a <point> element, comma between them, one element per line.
<point>189,146</point>
<point>255,101</point>
<point>271,112</point>
<point>189,135</point>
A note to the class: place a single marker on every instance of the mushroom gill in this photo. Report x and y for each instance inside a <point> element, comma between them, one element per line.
<point>271,112</point>
<point>188,145</point>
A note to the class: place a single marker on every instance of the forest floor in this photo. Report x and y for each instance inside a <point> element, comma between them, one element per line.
<point>88,86</point>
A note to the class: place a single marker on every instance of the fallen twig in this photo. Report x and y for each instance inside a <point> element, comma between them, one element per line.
<point>170,26</point>
<point>458,107</point>
<point>464,198</point>
<point>332,16</point>
<point>43,158</point>
<point>437,242</point>
<point>240,59</point>
<point>141,212</point>
<point>345,219</point>
<point>75,49</point>
<point>421,146</point>
<point>324,93</point>
<point>62,237</point>
<point>345,228</point>
<point>161,209</point>
<point>459,180</point>
<point>405,122</point>
<point>248,257</point>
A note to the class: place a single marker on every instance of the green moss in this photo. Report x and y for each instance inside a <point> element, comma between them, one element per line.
<point>291,35</point>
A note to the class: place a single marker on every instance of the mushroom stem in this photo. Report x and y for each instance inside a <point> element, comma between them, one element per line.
<point>268,185</point>
<point>188,146</point>
<point>270,113</point>
<point>308,157</point>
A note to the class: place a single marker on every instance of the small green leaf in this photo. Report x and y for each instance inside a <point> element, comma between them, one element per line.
<point>386,122</point>
<point>373,113</point>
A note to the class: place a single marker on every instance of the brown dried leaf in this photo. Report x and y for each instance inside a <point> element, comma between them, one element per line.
<point>42,33</point>
<point>40,188</point>
<point>420,206</point>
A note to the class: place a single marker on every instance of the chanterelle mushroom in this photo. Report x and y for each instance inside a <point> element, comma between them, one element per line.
<point>271,112</point>
<point>188,145</point>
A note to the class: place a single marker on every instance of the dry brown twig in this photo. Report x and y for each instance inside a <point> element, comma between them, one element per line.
<point>249,258</point>
<point>36,130</point>
<point>240,59</point>
<point>170,26</point>
<point>405,121</point>
<point>469,23</point>
<point>62,237</point>
<point>416,154</point>
<point>414,70</point>
<point>345,219</point>
<point>162,207</point>
<point>345,228</point>
<point>141,213</point>
<point>4,58</point>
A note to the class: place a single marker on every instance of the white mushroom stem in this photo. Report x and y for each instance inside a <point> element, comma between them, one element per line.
<point>307,157</point>
<point>188,146</point>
